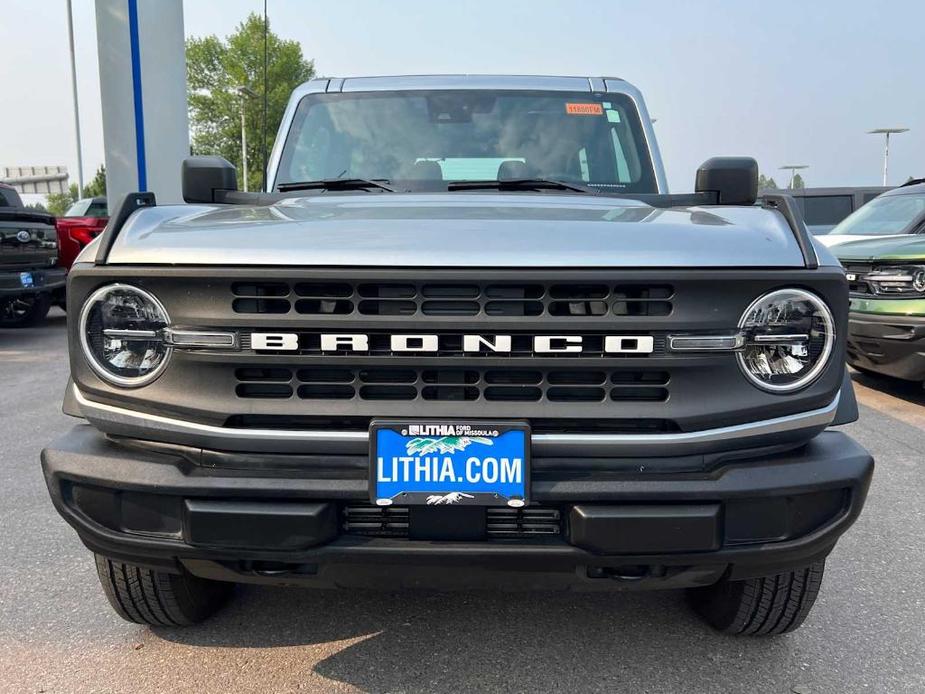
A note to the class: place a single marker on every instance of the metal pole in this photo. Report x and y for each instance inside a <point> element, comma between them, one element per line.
<point>80,164</point>
<point>886,159</point>
<point>263,134</point>
<point>243,142</point>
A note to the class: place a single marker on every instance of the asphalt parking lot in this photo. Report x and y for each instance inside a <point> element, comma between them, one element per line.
<point>58,634</point>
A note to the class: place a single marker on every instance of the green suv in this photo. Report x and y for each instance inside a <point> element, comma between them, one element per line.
<point>886,276</point>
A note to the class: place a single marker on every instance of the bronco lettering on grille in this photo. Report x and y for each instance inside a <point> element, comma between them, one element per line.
<point>542,344</point>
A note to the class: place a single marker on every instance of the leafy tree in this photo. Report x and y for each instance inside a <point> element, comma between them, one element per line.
<point>797,183</point>
<point>57,203</point>
<point>766,182</point>
<point>215,71</point>
<point>37,206</point>
<point>97,186</point>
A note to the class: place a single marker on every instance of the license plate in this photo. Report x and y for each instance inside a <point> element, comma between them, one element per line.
<point>26,280</point>
<point>437,463</point>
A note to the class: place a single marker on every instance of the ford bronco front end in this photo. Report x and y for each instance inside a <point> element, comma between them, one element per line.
<point>467,338</point>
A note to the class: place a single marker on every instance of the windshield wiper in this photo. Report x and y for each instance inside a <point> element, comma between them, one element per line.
<point>338,184</point>
<point>521,184</point>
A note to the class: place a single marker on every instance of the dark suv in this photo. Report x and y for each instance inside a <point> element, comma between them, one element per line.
<point>29,278</point>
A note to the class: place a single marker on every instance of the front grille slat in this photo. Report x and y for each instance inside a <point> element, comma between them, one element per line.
<point>510,300</point>
<point>500,522</point>
<point>453,384</point>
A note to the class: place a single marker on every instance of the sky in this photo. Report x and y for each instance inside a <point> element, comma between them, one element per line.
<point>784,81</point>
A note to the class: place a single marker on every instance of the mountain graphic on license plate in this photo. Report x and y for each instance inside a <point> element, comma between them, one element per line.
<point>449,463</point>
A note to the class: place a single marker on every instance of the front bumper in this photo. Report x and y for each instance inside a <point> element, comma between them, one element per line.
<point>281,518</point>
<point>45,280</point>
<point>887,339</point>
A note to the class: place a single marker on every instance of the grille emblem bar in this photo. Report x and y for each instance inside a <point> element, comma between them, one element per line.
<point>426,343</point>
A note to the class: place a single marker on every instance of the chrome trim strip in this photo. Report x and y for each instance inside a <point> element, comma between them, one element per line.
<point>705,343</point>
<point>124,422</point>
<point>781,339</point>
<point>200,338</point>
<point>131,334</point>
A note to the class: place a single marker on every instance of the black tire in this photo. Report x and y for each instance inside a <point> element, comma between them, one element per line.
<point>158,598</point>
<point>760,606</point>
<point>24,311</point>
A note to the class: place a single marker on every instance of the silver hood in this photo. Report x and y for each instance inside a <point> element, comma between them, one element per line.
<point>457,230</point>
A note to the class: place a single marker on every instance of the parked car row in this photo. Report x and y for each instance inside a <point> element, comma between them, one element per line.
<point>883,251</point>
<point>36,251</point>
<point>824,208</point>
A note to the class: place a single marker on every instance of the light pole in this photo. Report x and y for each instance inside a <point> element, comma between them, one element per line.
<point>80,164</point>
<point>886,132</point>
<point>244,92</point>
<point>793,168</point>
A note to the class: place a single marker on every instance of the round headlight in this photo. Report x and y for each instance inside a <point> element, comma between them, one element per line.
<point>789,335</point>
<point>918,280</point>
<point>121,330</point>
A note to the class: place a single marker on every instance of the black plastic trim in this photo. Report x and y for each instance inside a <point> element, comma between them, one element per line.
<point>832,461</point>
<point>847,411</point>
<point>787,206</point>
<point>123,209</point>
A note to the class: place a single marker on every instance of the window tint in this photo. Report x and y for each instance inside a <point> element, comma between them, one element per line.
<point>97,209</point>
<point>9,198</point>
<point>826,209</point>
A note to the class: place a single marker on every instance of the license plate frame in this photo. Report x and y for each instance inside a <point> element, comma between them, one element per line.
<point>391,480</point>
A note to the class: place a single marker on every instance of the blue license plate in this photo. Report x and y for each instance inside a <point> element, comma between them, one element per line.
<point>26,280</point>
<point>449,463</point>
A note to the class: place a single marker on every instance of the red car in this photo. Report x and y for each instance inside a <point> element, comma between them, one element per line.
<point>83,222</point>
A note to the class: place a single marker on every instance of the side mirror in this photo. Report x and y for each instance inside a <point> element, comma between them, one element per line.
<point>734,180</point>
<point>203,176</point>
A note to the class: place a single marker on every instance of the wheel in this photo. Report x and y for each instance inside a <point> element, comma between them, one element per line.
<point>760,606</point>
<point>23,311</point>
<point>158,598</point>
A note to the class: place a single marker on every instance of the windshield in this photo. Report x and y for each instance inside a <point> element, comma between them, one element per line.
<point>421,140</point>
<point>87,207</point>
<point>891,214</point>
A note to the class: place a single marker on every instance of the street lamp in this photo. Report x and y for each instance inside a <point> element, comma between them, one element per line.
<point>793,168</point>
<point>886,132</point>
<point>70,39</point>
<point>244,92</point>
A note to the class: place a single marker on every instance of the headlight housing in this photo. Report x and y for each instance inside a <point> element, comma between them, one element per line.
<point>122,334</point>
<point>789,338</point>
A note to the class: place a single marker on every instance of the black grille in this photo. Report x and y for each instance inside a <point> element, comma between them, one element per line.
<point>378,521</point>
<point>859,284</point>
<point>454,384</point>
<point>522,522</point>
<point>501,522</point>
<point>453,299</point>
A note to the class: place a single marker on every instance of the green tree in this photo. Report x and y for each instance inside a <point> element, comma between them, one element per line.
<point>766,182</point>
<point>97,185</point>
<point>797,183</point>
<point>37,206</point>
<point>215,71</point>
<point>57,203</point>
